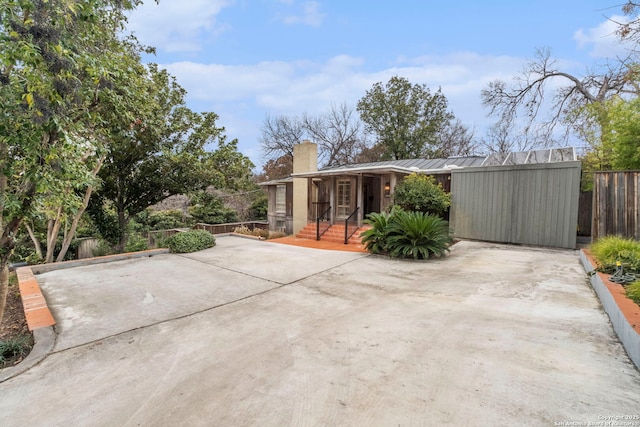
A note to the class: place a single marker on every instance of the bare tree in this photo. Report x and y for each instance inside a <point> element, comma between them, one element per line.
<point>503,138</point>
<point>526,100</point>
<point>280,134</point>
<point>630,30</point>
<point>456,139</point>
<point>339,134</point>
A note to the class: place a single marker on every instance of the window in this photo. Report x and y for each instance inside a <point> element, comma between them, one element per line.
<point>281,198</point>
<point>344,198</point>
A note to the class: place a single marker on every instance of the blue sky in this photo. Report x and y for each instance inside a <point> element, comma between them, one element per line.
<point>244,59</point>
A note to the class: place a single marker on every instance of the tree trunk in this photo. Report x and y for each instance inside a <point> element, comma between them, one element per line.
<point>52,235</point>
<point>122,223</point>
<point>4,287</point>
<point>35,240</point>
<point>74,225</point>
<point>76,219</point>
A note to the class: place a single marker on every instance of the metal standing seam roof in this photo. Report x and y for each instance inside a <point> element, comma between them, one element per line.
<point>550,155</point>
<point>406,165</point>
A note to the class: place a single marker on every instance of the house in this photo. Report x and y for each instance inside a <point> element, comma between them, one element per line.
<point>529,197</point>
<point>345,193</point>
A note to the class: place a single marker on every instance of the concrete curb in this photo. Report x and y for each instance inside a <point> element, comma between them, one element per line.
<point>628,336</point>
<point>45,268</point>
<point>39,317</point>
<point>43,340</point>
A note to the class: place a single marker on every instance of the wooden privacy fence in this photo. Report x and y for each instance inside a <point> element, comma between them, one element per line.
<point>533,204</point>
<point>229,227</point>
<point>616,196</point>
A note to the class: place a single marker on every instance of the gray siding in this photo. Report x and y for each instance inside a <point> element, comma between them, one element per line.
<point>524,204</point>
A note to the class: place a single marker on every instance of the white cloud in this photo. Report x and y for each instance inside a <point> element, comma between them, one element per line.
<point>177,26</point>
<point>243,94</point>
<point>602,41</point>
<point>309,15</point>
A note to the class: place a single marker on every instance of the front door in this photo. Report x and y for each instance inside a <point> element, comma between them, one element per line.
<point>344,198</point>
<point>371,194</point>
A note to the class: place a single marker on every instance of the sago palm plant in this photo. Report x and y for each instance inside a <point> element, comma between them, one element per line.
<point>417,235</point>
<point>374,239</point>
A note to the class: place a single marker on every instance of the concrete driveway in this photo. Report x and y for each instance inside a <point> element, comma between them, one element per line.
<point>262,334</point>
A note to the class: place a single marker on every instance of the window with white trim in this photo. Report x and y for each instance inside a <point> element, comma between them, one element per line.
<point>344,198</point>
<point>281,198</point>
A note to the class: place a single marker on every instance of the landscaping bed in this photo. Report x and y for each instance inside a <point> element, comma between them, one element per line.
<point>15,338</point>
<point>622,311</point>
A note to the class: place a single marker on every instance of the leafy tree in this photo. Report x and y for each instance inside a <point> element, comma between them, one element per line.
<point>208,208</point>
<point>163,153</point>
<point>259,207</point>
<point>406,119</point>
<point>278,168</point>
<point>149,220</point>
<point>421,193</point>
<point>59,63</point>
<point>621,135</point>
<point>227,168</point>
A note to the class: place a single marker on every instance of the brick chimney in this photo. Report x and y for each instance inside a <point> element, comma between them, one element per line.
<point>305,159</point>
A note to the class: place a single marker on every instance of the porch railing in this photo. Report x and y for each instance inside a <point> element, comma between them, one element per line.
<point>318,219</point>
<point>319,207</point>
<point>347,233</point>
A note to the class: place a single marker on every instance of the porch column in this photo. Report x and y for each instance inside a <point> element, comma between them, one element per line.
<point>305,159</point>
<point>360,199</point>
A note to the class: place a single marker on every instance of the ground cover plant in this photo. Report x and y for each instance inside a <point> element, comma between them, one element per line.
<point>407,234</point>
<point>612,252</point>
<point>14,349</point>
<point>15,339</point>
<point>609,250</point>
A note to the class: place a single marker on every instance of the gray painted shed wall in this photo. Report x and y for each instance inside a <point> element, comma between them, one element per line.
<point>524,204</point>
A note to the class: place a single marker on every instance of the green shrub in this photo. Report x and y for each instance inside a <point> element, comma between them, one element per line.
<point>407,234</point>
<point>149,220</point>
<point>633,292</point>
<point>421,193</point>
<point>136,243</point>
<point>190,241</point>
<point>210,209</point>
<point>417,235</point>
<point>375,239</point>
<point>607,250</point>
<point>103,249</point>
<point>14,348</point>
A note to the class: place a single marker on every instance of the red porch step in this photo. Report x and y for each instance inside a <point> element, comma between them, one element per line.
<point>335,233</point>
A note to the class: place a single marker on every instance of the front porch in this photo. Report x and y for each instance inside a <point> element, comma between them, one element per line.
<point>339,199</point>
<point>332,240</point>
<point>334,233</point>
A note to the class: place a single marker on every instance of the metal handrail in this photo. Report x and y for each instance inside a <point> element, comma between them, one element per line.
<point>347,236</point>
<point>318,233</point>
